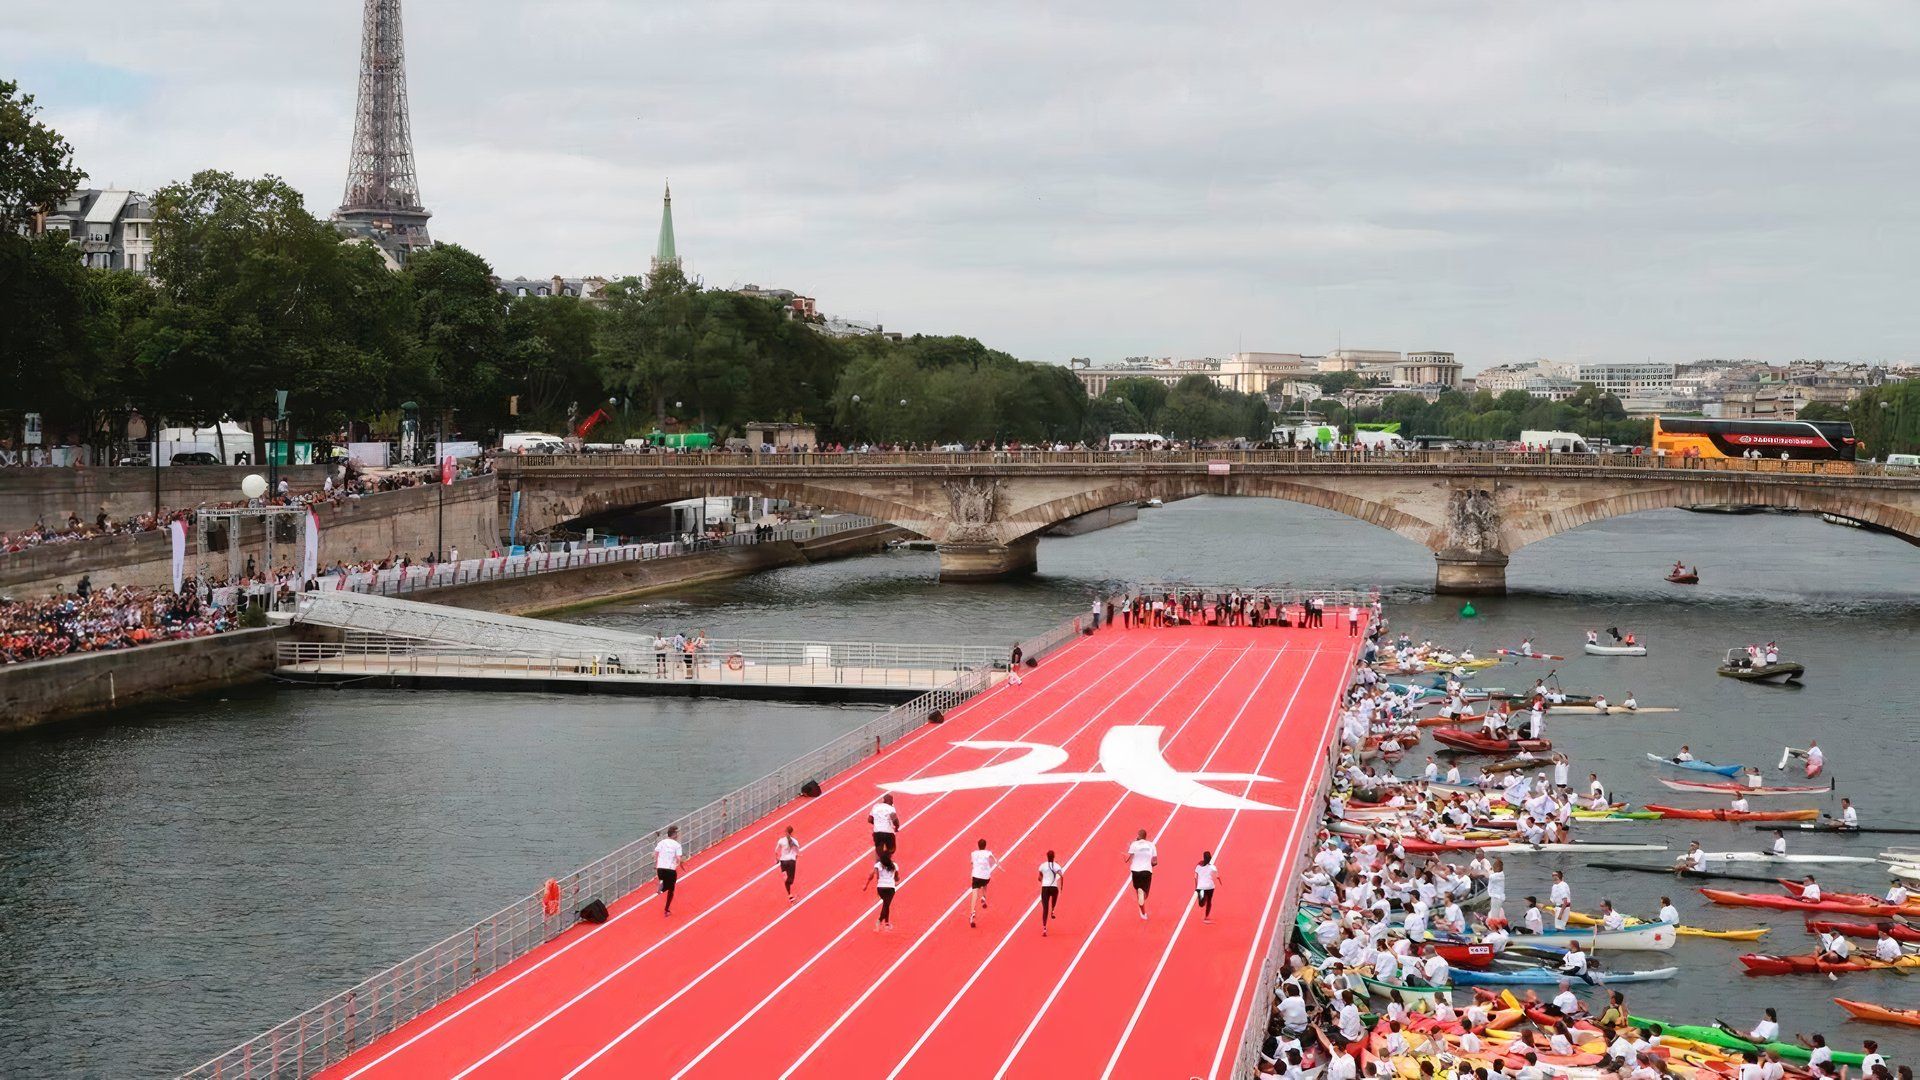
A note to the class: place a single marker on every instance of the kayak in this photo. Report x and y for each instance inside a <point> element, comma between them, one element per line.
<point>1518,655</point>
<point>1734,787</point>
<point>1810,964</point>
<point>1669,871</point>
<point>1615,650</point>
<point>1611,710</point>
<point>1761,856</point>
<point>1646,937</point>
<point>1465,955</point>
<point>1549,977</point>
<point>1698,766</point>
<point>1755,934</point>
<point>1722,814</point>
<point>1480,744</point>
<point>1790,903</point>
<point>1796,888</point>
<point>1713,1036</point>
<point>1860,830</point>
<point>1897,931</point>
<point>1863,1010</point>
<point>1576,845</point>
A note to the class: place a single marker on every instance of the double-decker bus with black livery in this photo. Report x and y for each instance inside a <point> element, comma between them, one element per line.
<point>1706,437</point>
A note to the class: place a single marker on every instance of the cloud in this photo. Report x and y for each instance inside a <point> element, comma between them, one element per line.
<point>1622,180</point>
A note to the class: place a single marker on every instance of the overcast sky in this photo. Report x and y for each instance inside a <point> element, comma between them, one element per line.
<point>1613,180</point>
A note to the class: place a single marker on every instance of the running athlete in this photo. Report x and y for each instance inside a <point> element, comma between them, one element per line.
<point>983,865</point>
<point>786,854</point>
<point>886,825</point>
<point>1141,858</point>
<point>885,877</point>
<point>1050,874</point>
<point>1205,877</point>
<point>667,857</point>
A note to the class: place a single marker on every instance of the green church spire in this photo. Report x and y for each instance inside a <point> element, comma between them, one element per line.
<point>665,255</point>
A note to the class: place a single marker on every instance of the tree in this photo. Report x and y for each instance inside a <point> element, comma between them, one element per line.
<point>1821,410</point>
<point>647,336</point>
<point>460,320</point>
<point>36,163</point>
<point>1147,396</point>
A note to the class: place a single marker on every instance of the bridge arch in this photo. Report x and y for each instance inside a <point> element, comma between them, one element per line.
<point>1370,510</point>
<point>1601,505</point>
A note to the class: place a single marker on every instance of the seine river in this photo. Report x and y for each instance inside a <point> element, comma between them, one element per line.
<point>175,882</point>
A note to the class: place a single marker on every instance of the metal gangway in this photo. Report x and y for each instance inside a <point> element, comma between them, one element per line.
<point>427,644</point>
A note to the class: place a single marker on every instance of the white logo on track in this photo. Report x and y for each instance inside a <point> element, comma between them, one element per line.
<point>1129,756</point>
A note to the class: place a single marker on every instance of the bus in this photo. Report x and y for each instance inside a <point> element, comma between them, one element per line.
<point>1803,440</point>
<point>1121,440</point>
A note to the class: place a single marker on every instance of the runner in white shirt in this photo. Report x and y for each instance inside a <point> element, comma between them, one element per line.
<point>786,855</point>
<point>885,878</point>
<point>1205,876</point>
<point>1141,858</point>
<point>667,857</point>
<point>1050,874</point>
<point>983,864</point>
<point>886,826</point>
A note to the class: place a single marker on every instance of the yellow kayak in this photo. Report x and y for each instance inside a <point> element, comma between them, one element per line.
<point>1750,934</point>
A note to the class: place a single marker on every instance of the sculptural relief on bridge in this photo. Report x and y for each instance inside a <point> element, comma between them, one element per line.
<point>1473,520</point>
<point>975,503</point>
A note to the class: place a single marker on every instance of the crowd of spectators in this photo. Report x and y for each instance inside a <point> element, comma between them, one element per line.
<point>113,617</point>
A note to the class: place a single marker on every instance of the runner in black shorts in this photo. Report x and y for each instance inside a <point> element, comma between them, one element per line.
<point>886,826</point>
<point>667,857</point>
<point>786,854</point>
<point>1141,858</point>
<point>1050,875</point>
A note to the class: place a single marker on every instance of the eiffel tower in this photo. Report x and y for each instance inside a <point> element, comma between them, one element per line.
<point>382,201</point>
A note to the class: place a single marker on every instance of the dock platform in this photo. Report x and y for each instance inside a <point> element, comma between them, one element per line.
<point>1209,738</point>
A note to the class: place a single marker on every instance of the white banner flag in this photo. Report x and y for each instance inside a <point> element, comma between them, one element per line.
<point>310,561</point>
<point>179,530</point>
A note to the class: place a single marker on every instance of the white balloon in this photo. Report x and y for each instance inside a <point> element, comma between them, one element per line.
<point>253,486</point>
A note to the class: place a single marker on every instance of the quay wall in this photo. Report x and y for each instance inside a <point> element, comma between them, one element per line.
<point>374,526</point>
<point>49,494</point>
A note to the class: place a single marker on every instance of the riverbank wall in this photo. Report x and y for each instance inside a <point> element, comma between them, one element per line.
<point>408,521</point>
<point>49,495</point>
<point>97,684</point>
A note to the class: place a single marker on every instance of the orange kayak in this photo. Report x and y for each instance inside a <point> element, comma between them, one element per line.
<point>1685,814</point>
<point>1868,1011</point>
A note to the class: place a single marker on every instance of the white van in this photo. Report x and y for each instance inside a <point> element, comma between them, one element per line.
<point>1120,440</point>
<point>532,442</point>
<point>1559,442</point>
<point>1903,462</point>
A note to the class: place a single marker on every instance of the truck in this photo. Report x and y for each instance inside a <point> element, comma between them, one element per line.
<point>680,440</point>
<point>1558,442</point>
<point>1379,436</point>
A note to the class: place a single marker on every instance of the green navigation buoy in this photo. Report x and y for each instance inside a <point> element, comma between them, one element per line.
<point>1467,612</point>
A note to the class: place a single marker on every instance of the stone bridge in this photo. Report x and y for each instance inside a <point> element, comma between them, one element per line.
<point>985,511</point>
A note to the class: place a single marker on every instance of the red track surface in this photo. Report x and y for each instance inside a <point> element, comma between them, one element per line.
<point>738,982</point>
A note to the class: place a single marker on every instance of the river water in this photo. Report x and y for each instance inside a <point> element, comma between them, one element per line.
<point>175,882</point>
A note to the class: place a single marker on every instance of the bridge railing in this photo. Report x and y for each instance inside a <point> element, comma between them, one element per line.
<point>355,1019</point>
<point>719,460</point>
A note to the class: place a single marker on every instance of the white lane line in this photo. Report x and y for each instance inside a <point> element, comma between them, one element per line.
<point>874,985</point>
<point>1126,889</point>
<point>1219,847</point>
<point>1280,875</point>
<point>857,922</point>
<point>707,860</point>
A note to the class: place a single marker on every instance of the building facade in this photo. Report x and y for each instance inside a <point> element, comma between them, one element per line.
<point>1427,369</point>
<point>112,228</point>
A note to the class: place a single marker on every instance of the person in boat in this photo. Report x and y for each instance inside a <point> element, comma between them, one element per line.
<point>1898,894</point>
<point>1773,652</point>
<point>1779,848</point>
<point>1693,859</point>
<point>1593,637</point>
<point>1678,567</point>
<point>1885,948</point>
<point>1753,778</point>
<point>1766,1031</point>
<point>1685,755</point>
<point>1600,704</point>
<point>1810,890</point>
<point>1834,948</point>
<point>1848,819</point>
<point>1526,646</point>
<point>1631,704</point>
<point>1740,804</point>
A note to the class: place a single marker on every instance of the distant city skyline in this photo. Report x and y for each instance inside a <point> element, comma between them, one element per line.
<point>1625,182</point>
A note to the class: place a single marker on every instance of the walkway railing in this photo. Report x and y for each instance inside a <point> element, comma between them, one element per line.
<point>748,462</point>
<point>355,1019</point>
<point>412,579</point>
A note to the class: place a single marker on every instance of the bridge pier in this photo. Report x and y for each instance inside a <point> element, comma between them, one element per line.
<point>988,562</point>
<point>1477,572</point>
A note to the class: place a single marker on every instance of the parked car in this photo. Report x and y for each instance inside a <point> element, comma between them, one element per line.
<point>195,457</point>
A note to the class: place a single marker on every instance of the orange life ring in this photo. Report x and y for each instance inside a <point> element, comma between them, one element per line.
<point>735,662</point>
<point>550,898</point>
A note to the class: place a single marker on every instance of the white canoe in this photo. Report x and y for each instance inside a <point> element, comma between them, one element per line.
<point>1763,857</point>
<point>1520,849</point>
<point>1615,650</point>
<point>1645,937</point>
<point>1613,711</point>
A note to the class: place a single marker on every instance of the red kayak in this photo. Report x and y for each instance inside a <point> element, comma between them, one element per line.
<point>1864,930</point>
<point>1465,955</point>
<point>1797,888</point>
<point>1480,744</point>
<point>1416,846</point>
<point>1733,787</point>
<point>1809,964</point>
<point>1733,815</point>
<point>1791,903</point>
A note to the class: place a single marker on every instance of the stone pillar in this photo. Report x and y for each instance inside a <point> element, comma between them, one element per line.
<point>988,561</point>
<point>1461,571</point>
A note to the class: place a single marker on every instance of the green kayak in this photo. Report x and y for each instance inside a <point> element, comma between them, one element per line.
<point>1713,1036</point>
